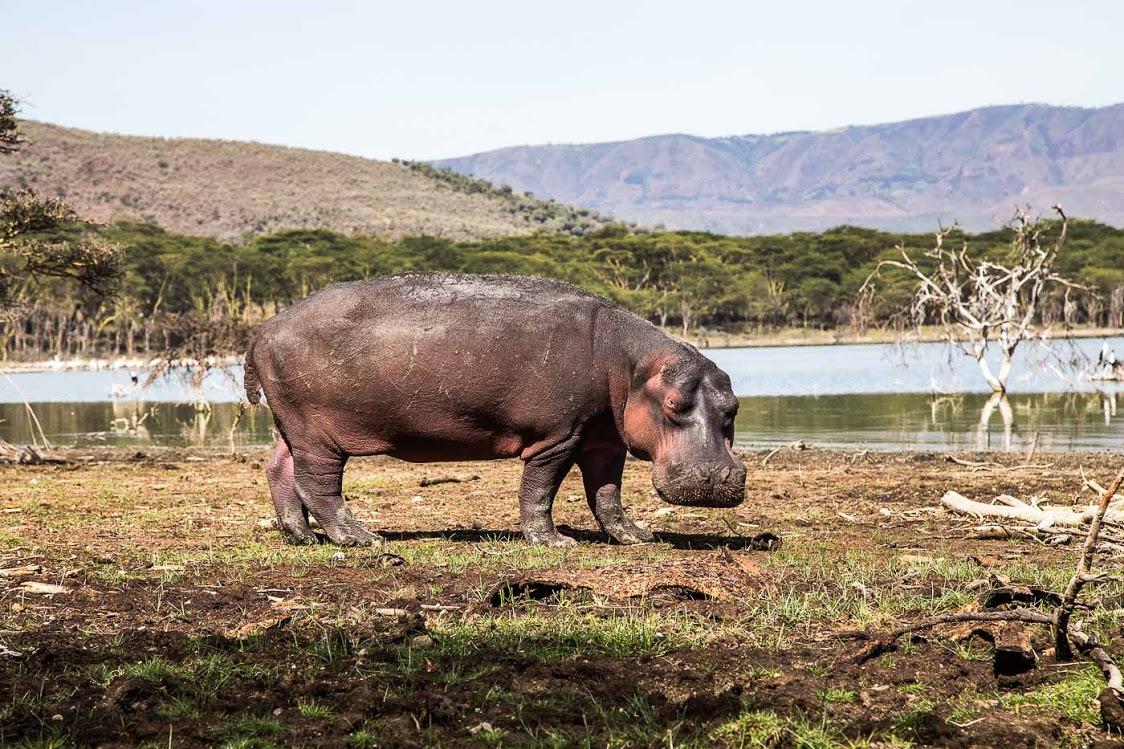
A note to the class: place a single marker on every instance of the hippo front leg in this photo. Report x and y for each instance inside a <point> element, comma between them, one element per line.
<point>542,475</point>
<point>602,468</point>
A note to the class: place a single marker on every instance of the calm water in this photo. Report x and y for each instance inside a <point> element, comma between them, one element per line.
<point>869,396</point>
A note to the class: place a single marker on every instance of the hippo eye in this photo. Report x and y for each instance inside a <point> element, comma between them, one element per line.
<point>676,408</point>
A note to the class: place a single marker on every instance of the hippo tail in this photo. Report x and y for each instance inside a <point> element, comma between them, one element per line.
<point>250,378</point>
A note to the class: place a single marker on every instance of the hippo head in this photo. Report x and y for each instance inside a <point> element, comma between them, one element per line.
<point>681,417</point>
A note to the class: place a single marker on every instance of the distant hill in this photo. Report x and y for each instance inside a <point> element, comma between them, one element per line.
<point>972,167</point>
<point>228,188</point>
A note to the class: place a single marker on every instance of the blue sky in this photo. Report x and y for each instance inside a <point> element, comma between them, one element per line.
<point>430,79</point>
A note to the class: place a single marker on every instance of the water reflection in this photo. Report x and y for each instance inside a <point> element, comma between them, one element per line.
<point>1058,421</point>
<point>1061,421</point>
<point>983,433</point>
<point>198,424</point>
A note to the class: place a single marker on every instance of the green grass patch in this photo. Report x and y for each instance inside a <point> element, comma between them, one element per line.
<point>248,732</point>
<point>315,710</point>
<point>1074,697</point>
<point>837,696</point>
<point>199,679</point>
<point>569,635</point>
<point>757,729</point>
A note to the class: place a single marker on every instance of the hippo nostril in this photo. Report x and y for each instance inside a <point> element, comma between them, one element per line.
<point>726,474</point>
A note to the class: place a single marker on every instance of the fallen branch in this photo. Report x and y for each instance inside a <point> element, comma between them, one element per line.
<point>972,463</point>
<point>26,455</point>
<point>987,465</point>
<point>797,445</point>
<point>392,613</point>
<point>1027,513</point>
<point>1045,536</point>
<point>887,640</point>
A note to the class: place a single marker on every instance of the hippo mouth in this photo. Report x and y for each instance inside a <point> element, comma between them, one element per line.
<point>701,485</point>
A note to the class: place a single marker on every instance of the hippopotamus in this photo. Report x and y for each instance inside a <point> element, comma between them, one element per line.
<point>433,367</point>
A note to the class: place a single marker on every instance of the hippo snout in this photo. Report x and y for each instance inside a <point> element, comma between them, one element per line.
<point>700,484</point>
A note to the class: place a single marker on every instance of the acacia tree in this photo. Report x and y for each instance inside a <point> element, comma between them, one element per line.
<point>980,301</point>
<point>29,254</point>
<point>9,131</point>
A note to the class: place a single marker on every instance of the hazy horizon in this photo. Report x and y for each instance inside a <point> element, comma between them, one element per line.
<point>441,79</point>
<point>23,115</point>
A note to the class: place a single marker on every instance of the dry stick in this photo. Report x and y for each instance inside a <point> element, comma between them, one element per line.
<point>971,463</point>
<point>987,465</point>
<point>242,406</point>
<point>882,643</point>
<point>1033,449</point>
<point>1081,575</point>
<point>765,462</point>
<point>451,478</point>
<point>31,417</point>
<point>1094,652</point>
<point>797,445</point>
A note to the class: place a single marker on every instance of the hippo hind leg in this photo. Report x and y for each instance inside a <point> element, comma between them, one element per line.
<point>542,475</point>
<point>602,468</point>
<point>318,476</point>
<point>292,517</point>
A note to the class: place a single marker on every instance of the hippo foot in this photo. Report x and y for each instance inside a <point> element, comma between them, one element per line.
<point>631,534</point>
<point>356,535</point>
<point>556,540</point>
<point>300,538</point>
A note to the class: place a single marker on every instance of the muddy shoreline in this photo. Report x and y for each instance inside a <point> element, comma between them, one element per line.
<point>711,339</point>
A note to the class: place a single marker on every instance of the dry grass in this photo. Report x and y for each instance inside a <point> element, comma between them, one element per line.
<point>186,622</point>
<point>227,188</point>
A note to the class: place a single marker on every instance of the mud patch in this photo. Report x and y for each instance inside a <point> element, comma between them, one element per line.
<point>723,576</point>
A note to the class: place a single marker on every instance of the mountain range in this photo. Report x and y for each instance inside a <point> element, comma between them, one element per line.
<point>972,168</point>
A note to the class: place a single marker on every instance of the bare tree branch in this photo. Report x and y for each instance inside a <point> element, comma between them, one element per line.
<point>1082,575</point>
<point>980,301</point>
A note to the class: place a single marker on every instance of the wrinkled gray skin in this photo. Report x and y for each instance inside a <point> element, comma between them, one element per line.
<point>433,367</point>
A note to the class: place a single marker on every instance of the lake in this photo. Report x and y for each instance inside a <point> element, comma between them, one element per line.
<point>875,396</point>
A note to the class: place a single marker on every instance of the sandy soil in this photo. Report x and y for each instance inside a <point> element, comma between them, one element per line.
<point>180,619</point>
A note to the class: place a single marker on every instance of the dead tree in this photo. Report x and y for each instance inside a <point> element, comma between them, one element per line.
<point>980,301</point>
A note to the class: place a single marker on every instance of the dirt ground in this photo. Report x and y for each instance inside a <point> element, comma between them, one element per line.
<point>178,618</point>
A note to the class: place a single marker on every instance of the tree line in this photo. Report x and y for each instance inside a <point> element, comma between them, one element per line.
<point>196,296</point>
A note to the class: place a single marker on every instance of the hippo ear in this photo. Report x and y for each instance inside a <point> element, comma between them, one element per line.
<point>680,373</point>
